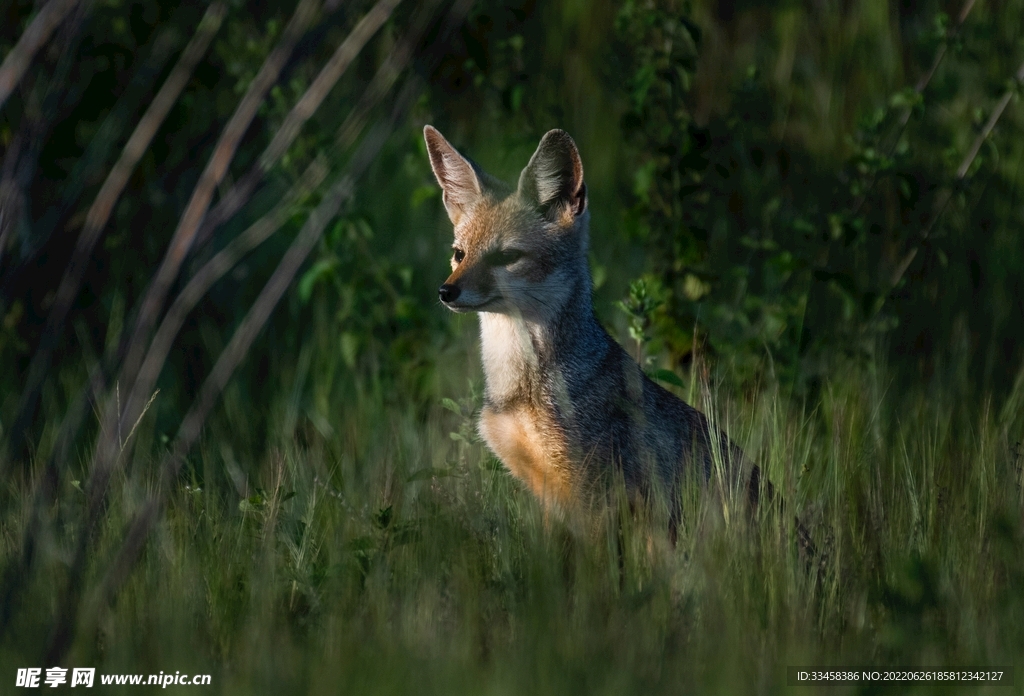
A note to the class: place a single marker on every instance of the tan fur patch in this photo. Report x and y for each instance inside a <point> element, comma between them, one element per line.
<point>523,443</point>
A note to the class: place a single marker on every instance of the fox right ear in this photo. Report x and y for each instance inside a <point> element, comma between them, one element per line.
<point>458,179</point>
<point>553,179</point>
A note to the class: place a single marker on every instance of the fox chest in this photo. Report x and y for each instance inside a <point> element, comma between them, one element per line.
<point>531,448</point>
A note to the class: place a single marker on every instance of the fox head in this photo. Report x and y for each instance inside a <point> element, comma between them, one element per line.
<point>519,251</point>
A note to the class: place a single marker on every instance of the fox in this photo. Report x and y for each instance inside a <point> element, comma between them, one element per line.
<point>566,409</point>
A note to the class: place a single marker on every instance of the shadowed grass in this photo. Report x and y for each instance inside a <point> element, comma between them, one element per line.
<point>384,555</point>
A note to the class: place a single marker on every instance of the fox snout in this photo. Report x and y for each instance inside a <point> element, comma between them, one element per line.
<point>469,288</point>
<point>449,293</point>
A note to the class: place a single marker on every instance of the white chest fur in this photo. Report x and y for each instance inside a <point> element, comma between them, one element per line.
<point>509,359</point>
<point>516,425</point>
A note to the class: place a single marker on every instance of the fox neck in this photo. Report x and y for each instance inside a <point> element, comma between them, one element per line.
<point>526,359</point>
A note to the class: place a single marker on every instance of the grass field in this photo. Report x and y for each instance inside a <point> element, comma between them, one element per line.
<point>821,200</point>
<point>373,546</point>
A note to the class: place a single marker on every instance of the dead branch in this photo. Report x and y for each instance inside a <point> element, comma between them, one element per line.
<point>162,49</point>
<point>919,88</point>
<point>232,355</point>
<point>242,339</point>
<point>258,314</point>
<point>216,167</point>
<point>961,174</point>
<point>246,333</point>
<point>114,415</point>
<point>385,77</point>
<point>87,167</point>
<point>157,353</point>
<point>214,269</point>
<point>42,102</point>
<point>101,209</point>
<point>35,36</point>
<point>242,190</point>
<point>923,81</point>
<point>107,449</point>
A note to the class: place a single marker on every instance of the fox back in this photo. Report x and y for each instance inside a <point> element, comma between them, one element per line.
<point>566,409</point>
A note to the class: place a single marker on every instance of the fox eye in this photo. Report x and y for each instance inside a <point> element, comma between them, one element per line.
<point>504,257</point>
<point>459,255</point>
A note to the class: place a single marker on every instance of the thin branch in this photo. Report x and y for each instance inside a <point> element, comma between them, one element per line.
<point>303,244</point>
<point>961,174</point>
<point>106,450</point>
<point>156,355</point>
<point>325,81</point>
<point>242,190</point>
<point>214,269</point>
<point>244,335</point>
<point>41,108</point>
<point>923,81</point>
<point>139,419</point>
<point>232,355</point>
<point>35,36</point>
<point>385,77</point>
<point>223,152</point>
<point>100,211</point>
<point>162,49</point>
<point>926,78</point>
<point>919,88</point>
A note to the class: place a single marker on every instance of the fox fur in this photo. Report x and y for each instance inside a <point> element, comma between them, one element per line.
<point>566,409</point>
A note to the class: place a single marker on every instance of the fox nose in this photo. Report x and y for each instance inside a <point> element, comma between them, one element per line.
<point>449,293</point>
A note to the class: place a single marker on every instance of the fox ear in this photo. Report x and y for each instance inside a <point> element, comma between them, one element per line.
<point>553,180</point>
<point>458,179</point>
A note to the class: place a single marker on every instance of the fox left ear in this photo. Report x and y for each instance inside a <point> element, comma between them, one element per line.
<point>458,178</point>
<point>553,179</point>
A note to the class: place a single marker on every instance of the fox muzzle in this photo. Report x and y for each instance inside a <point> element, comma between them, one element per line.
<point>449,293</point>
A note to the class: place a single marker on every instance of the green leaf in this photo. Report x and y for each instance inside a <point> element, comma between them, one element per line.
<point>516,98</point>
<point>321,270</point>
<point>252,504</point>
<point>694,288</point>
<point>451,406</point>
<point>383,517</point>
<point>349,348</point>
<point>668,376</point>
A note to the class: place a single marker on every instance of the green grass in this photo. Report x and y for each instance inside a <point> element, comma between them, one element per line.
<point>381,554</point>
<point>340,530</point>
